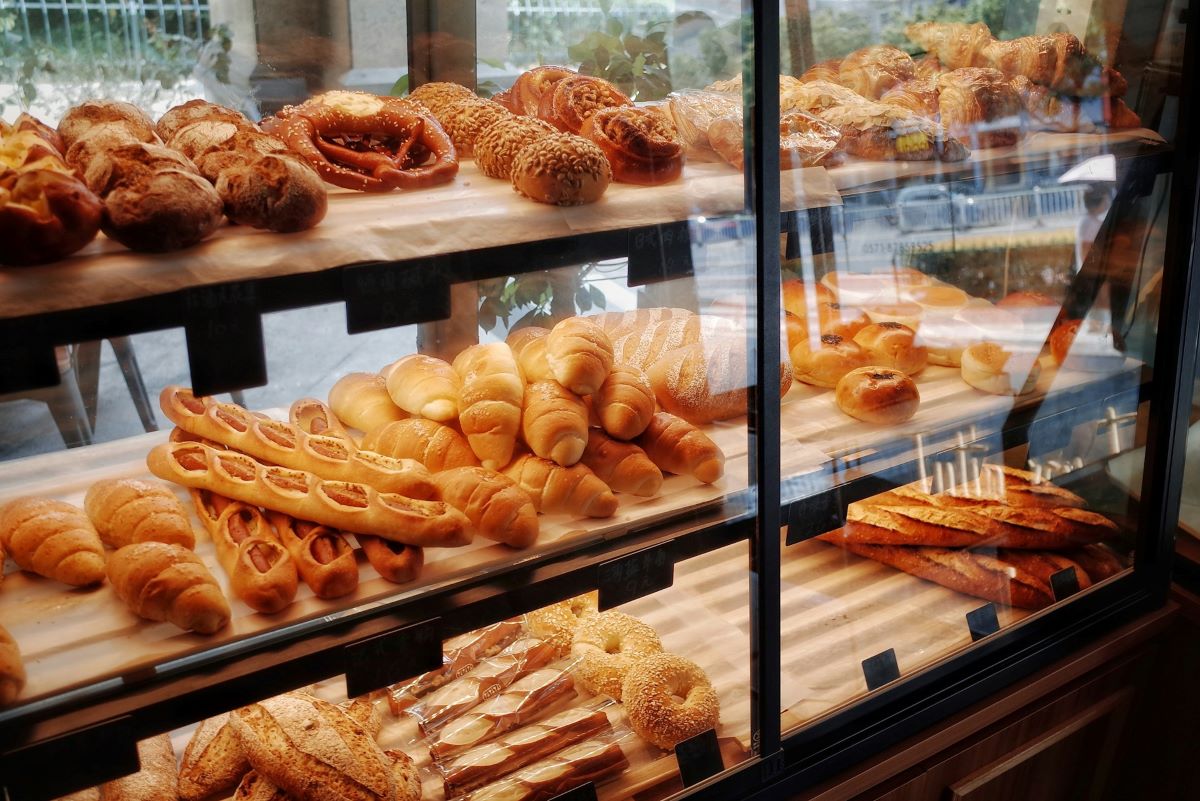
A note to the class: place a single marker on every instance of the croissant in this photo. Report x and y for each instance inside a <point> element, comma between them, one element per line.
<point>529,346</point>
<point>425,386</point>
<point>580,354</point>
<point>980,105</point>
<point>1047,111</point>
<point>12,669</point>
<point>434,445</point>
<point>623,466</point>
<point>677,446</point>
<point>919,95</point>
<point>871,71</point>
<point>495,505</point>
<point>53,539</point>
<point>128,510</point>
<point>956,44</point>
<point>168,582</point>
<point>822,71</point>
<point>624,403</point>
<point>1057,60</point>
<point>554,422</point>
<point>575,489</point>
<point>491,400</point>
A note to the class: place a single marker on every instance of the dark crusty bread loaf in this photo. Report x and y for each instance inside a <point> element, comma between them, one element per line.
<point>212,761</point>
<point>79,120</point>
<point>277,191</point>
<point>156,780</point>
<point>994,525</point>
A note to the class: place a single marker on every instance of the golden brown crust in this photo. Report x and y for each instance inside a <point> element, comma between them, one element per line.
<point>361,400</point>
<point>498,145</point>
<point>556,623</point>
<point>955,44</point>
<point>53,539</point>
<point>893,345</point>
<point>497,508</point>
<point>79,119</point>
<point>396,562</point>
<point>465,120</point>
<point>824,362</point>
<point>275,191</point>
<point>918,95</point>
<point>873,70</point>
<point>562,170</point>
<point>554,422</point>
<point>12,669</point>
<point>624,403</point>
<point>425,386</point>
<point>649,693</point>
<point>580,354</point>
<point>155,780</point>
<point>437,95</point>
<point>168,583</point>
<point>261,573</point>
<point>212,761</point>
<point>973,100</point>
<point>323,558</point>
<point>878,395</point>
<point>677,446</point>
<point>642,146</point>
<point>437,446</point>
<point>574,99</point>
<point>127,510</point>
<point>490,401</point>
<point>623,466</point>
<point>607,645</point>
<point>574,490</point>
<point>529,88</point>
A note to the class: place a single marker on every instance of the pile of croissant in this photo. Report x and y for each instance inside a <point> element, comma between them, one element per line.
<point>969,90</point>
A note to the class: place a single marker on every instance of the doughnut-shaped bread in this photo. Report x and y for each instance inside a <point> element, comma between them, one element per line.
<point>649,695</point>
<point>607,646</point>
<point>556,624</point>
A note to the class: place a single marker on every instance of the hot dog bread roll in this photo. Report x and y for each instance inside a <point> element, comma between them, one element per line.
<point>397,563</point>
<point>677,446</point>
<point>425,387</point>
<point>361,400</point>
<point>490,406</point>
<point>459,656</point>
<point>589,761</point>
<point>261,573</point>
<point>495,505</point>
<point>168,582</point>
<point>128,510</point>
<point>529,346</point>
<point>284,444</point>
<point>623,466</point>
<point>323,557</point>
<point>554,422</point>
<point>53,539</point>
<point>12,669</point>
<point>624,403</point>
<point>156,780</point>
<point>340,504</point>
<point>313,416</point>
<point>580,354</point>
<point>574,490</point>
<point>434,445</point>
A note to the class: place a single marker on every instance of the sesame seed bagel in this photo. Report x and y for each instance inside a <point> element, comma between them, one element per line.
<point>556,623</point>
<point>651,694</point>
<point>562,170</point>
<point>607,646</point>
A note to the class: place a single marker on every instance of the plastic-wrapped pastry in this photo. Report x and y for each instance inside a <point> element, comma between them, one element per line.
<point>919,95</point>
<point>881,132</point>
<point>804,140</point>
<point>956,44</point>
<point>693,111</point>
<point>873,70</point>
<point>979,105</point>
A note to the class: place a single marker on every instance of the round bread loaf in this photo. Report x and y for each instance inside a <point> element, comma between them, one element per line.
<point>650,695</point>
<point>824,362</point>
<point>561,169</point>
<point>437,95</point>
<point>607,645</point>
<point>79,119</point>
<point>186,113</point>
<point>275,191</point>
<point>464,120</point>
<point>168,210</point>
<point>877,395</point>
<point>893,345</point>
<point>999,371</point>
<point>497,147</point>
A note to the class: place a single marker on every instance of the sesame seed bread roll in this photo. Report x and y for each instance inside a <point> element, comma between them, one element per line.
<point>464,121</point>
<point>624,403</point>
<point>493,393</point>
<point>580,355</point>
<point>561,169</point>
<point>497,147</point>
<point>554,422</point>
<point>425,386</point>
<point>437,95</point>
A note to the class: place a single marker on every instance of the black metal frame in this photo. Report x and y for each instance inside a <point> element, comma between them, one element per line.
<point>187,692</point>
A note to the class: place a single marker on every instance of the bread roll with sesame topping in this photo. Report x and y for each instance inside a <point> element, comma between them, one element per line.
<point>464,120</point>
<point>562,170</point>
<point>497,147</point>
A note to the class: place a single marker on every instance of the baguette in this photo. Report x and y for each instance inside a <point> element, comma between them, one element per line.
<point>361,400</point>
<point>523,700</point>
<point>623,466</point>
<point>624,404</point>
<point>329,457</point>
<point>323,557</point>
<point>127,510</point>
<point>394,561</point>
<point>486,763</point>
<point>460,655</point>
<point>425,387</point>
<point>554,422</point>
<point>168,583</point>
<point>490,405</point>
<point>261,573</point>
<point>485,680</point>
<point>12,669</point>
<point>988,524</point>
<point>434,445</point>
<point>156,778</point>
<point>590,761</point>
<point>312,750</point>
<point>53,539</point>
<point>352,507</point>
<point>678,447</point>
<point>497,508</point>
<point>529,346</point>
<point>212,761</point>
<point>574,490</point>
<point>580,354</point>
<point>313,416</point>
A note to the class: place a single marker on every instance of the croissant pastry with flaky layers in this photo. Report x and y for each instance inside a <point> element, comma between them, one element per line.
<point>873,70</point>
<point>920,96</point>
<point>978,104</point>
<point>642,146</point>
<point>956,44</point>
<point>1056,60</point>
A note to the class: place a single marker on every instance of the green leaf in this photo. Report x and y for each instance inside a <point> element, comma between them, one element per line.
<point>531,317</point>
<point>598,298</point>
<point>615,27</point>
<point>583,299</point>
<point>601,55</point>
<point>639,64</point>
<point>400,87</point>
<point>633,44</point>
<point>579,52</point>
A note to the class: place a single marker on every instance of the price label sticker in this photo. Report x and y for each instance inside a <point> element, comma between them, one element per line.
<point>881,669</point>
<point>1064,583</point>
<point>223,329</point>
<point>392,656</point>
<point>634,575</point>
<point>387,295</point>
<point>983,622</point>
<point>659,253</point>
<point>699,757</point>
<point>584,792</point>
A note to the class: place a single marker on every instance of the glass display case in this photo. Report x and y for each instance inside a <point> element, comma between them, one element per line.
<point>476,400</point>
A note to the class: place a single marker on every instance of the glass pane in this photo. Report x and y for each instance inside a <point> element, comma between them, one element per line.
<point>972,323</point>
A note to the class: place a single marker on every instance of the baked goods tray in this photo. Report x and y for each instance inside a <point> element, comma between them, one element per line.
<point>471,213</point>
<point>81,637</point>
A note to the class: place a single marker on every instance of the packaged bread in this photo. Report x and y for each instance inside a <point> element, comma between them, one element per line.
<point>128,510</point>
<point>485,680</point>
<point>53,539</point>
<point>590,761</point>
<point>460,655</point>
<point>514,750</point>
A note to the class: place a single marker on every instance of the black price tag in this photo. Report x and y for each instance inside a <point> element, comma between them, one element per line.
<point>982,622</point>
<point>26,365</point>
<point>224,336</point>
<point>387,295</point>
<point>1065,583</point>
<point>814,515</point>
<point>699,757</point>
<point>584,792</point>
<point>881,669</point>
<point>659,253</point>
<point>393,656</point>
<point>36,773</point>
<point>634,575</point>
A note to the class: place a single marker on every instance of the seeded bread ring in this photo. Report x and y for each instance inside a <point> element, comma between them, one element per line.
<point>650,694</point>
<point>607,646</point>
<point>562,170</point>
<point>497,147</point>
<point>556,623</point>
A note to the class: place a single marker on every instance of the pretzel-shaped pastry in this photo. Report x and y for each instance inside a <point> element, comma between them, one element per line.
<point>329,457</point>
<point>340,504</point>
<point>366,142</point>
